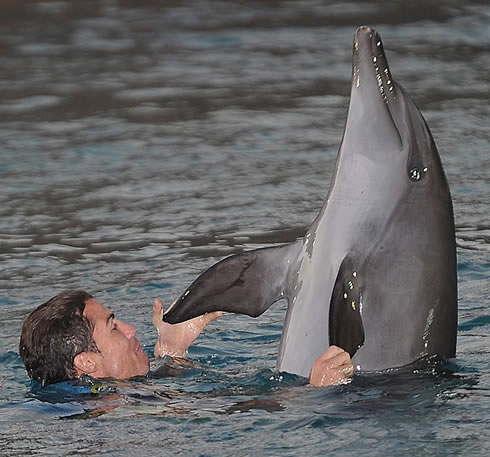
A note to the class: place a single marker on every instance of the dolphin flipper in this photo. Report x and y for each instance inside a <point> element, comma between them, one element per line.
<point>245,283</point>
<point>346,328</point>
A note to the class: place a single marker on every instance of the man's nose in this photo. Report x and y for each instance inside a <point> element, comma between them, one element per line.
<point>128,330</point>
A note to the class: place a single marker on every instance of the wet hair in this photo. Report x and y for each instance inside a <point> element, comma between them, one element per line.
<point>53,334</point>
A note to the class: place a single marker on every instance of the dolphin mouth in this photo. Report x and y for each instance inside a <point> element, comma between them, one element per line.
<point>371,76</point>
<point>369,64</point>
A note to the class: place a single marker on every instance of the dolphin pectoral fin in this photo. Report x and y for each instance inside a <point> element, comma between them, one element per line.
<point>245,283</point>
<point>346,328</point>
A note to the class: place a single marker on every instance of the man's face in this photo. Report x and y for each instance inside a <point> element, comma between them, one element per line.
<point>121,355</point>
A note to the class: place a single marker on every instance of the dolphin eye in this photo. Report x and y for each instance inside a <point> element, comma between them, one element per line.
<point>414,174</point>
<point>417,173</point>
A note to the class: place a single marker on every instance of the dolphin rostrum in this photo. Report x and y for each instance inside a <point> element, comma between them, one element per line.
<point>376,272</point>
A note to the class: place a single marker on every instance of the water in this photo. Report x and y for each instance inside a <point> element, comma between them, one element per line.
<point>141,143</point>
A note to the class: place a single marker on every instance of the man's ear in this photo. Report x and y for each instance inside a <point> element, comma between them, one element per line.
<point>85,363</point>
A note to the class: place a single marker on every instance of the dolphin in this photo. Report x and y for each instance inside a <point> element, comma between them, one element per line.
<point>376,271</point>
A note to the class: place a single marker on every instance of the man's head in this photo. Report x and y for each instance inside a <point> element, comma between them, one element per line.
<point>73,334</point>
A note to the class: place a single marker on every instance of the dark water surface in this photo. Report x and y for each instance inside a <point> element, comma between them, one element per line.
<point>140,143</point>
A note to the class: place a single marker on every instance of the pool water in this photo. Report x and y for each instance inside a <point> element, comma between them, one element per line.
<point>141,143</point>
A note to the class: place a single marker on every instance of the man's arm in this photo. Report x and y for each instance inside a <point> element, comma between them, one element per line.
<point>175,339</point>
<point>333,367</point>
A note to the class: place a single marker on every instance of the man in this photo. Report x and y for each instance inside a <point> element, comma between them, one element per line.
<point>72,334</point>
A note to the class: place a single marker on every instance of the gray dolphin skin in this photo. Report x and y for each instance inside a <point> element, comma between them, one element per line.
<point>376,272</point>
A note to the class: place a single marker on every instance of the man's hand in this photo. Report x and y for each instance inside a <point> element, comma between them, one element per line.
<point>174,339</point>
<point>333,367</point>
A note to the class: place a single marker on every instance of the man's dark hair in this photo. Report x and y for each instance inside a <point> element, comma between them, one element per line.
<point>53,334</point>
